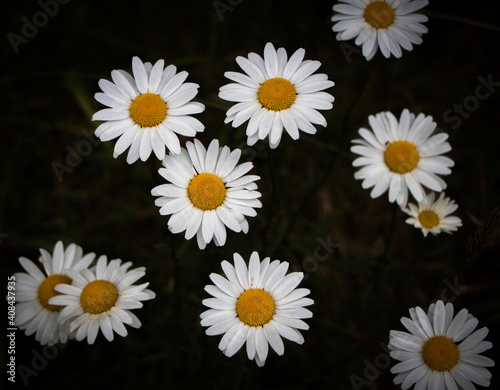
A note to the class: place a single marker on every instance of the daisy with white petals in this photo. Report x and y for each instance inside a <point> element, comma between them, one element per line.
<point>398,156</point>
<point>276,93</point>
<point>207,192</point>
<point>148,110</point>
<point>257,305</point>
<point>434,216</point>
<point>441,351</point>
<point>102,299</point>
<point>389,25</point>
<point>35,288</point>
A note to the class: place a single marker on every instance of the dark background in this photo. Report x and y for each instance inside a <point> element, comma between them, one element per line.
<point>377,269</point>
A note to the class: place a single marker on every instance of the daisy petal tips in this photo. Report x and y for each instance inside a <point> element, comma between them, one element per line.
<point>147,110</point>
<point>401,156</point>
<point>207,191</point>
<point>441,351</point>
<point>277,93</point>
<point>386,25</point>
<point>257,305</point>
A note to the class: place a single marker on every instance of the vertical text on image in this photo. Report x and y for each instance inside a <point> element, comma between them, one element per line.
<point>11,329</point>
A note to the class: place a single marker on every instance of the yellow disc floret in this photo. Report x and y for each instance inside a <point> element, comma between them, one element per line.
<point>148,110</point>
<point>46,290</point>
<point>255,307</point>
<point>440,353</point>
<point>277,94</point>
<point>379,14</point>
<point>401,157</point>
<point>98,296</point>
<point>206,191</point>
<point>428,219</point>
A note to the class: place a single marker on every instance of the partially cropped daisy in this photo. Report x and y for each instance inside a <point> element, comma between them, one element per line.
<point>256,305</point>
<point>207,192</point>
<point>276,93</point>
<point>147,111</point>
<point>398,156</point>
<point>441,351</point>
<point>389,25</point>
<point>102,300</point>
<point>434,216</point>
<point>34,289</point>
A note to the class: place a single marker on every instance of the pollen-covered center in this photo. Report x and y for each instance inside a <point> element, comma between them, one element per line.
<point>206,191</point>
<point>401,156</point>
<point>440,353</point>
<point>148,110</point>
<point>46,290</point>
<point>428,219</point>
<point>379,14</point>
<point>277,94</point>
<point>255,307</point>
<point>98,296</point>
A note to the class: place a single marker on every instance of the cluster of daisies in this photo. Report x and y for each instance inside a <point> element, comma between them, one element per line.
<point>70,299</point>
<point>256,304</point>
<point>404,156</point>
<point>207,190</point>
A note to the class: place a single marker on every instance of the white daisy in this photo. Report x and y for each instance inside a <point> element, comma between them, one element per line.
<point>434,217</point>
<point>257,305</point>
<point>401,156</point>
<point>34,289</point>
<point>102,299</point>
<point>276,92</point>
<point>440,352</point>
<point>147,110</point>
<point>389,25</point>
<point>207,191</point>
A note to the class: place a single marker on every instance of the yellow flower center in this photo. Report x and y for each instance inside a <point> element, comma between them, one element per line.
<point>401,157</point>
<point>148,110</point>
<point>440,353</point>
<point>206,191</point>
<point>98,296</point>
<point>277,94</point>
<point>46,290</point>
<point>379,14</point>
<point>428,219</point>
<point>255,307</point>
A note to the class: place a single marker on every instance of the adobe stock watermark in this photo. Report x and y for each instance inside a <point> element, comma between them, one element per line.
<point>74,157</point>
<point>39,361</point>
<point>223,6</point>
<point>348,50</point>
<point>484,89</point>
<point>30,28</point>
<point>323,251</point>
<point>382,361</point>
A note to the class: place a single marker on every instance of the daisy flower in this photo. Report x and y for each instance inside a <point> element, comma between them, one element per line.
<point>389,25</point>
<point>34,289</point>
<point>258,305</point>
<point>207,191</point>
<point>102,299</point>
<point>440,352</point>
<point>148,110</point>
<point>401,156</point>
<point>277,93</point>
<point>434,217</point>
